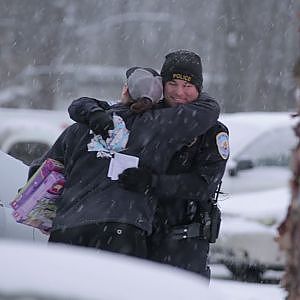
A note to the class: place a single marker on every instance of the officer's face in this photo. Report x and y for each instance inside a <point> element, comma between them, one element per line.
<point>178,92</point>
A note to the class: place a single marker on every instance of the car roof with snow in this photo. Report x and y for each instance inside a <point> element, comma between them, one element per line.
<point>247,126</point>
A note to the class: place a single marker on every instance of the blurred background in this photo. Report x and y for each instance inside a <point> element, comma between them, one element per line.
<point>52,52</point>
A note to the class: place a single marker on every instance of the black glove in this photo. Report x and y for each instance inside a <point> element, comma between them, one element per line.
<point>100,122</point>
<point>136,179</point>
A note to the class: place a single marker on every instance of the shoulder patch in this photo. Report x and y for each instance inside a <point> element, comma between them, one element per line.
<point>222,141</point>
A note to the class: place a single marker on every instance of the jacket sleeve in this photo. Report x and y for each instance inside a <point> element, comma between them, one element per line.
<point>191,185</point>
<point>57,151</point>
<point>184,121</point>
<point>203,179</point>
<point>195,118</point>
<point>80,109</point>
<point>157,135</point>
<point>189,120</point>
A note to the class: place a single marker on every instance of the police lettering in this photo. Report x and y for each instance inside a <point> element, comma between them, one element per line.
<point>182,77</point>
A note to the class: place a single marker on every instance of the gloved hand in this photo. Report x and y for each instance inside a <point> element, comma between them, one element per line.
<point>136,179</point>
<point>100,122</point>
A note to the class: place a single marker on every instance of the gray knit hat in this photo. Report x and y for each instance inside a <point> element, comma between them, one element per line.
<point>143,83</point>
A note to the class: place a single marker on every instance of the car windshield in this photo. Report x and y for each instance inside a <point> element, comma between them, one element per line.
<point>271,148</point>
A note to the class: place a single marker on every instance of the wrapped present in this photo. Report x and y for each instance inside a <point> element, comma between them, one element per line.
<point>38,209</point>
<point>35,203</point>
<point>45,169</point>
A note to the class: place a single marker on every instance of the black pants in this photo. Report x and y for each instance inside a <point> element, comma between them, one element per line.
<point>190,254</point>
<point>114,237</point>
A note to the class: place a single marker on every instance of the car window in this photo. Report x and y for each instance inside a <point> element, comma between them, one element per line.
<point>271,149</point>
<point>28,151</point>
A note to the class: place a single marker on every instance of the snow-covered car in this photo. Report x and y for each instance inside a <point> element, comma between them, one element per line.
<point>256,184</point>
<point>27,133</point>
<point>51,272</point>
<point>13,175</point>
<point>247,244</point>
<point>260,147</point>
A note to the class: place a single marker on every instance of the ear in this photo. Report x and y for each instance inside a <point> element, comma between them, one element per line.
<point>125,90</point>
<point>125,98</point>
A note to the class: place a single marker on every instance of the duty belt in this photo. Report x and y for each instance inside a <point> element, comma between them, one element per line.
<point>200,230</point>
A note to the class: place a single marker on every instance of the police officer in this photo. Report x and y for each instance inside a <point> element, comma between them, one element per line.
<point>187,219</point>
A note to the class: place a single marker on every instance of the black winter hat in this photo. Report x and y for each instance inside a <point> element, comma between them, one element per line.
<point>185,65</point>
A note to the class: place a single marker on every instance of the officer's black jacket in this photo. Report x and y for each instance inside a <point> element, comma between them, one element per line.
<point>192,176</point>
<point>89,196</point>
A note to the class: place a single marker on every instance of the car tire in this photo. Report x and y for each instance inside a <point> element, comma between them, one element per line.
<point>249,273</point>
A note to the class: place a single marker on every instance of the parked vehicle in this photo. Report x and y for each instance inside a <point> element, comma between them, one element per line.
<point>65,272</point>
<point>257,194</point>
<point>247,245</point>
<point>26,133</point>
<point>13,175</point>
<point>260,148</point>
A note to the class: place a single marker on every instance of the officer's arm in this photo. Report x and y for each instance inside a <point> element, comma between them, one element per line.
<point>188,120</point>
<point>192,119</point>
<point>183,121</point>
<point>81,109</point>
<point>191,185</point>
<point>200,183</point>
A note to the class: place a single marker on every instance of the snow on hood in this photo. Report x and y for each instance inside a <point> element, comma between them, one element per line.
<point>264,206</point>
<point>78,273</point>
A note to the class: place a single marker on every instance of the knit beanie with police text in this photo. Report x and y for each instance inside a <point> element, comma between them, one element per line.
<point>185,65</point>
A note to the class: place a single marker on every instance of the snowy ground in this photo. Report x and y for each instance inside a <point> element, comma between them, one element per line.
<point>221,281</point>
<point>247,291</point>
<point>65,272</point>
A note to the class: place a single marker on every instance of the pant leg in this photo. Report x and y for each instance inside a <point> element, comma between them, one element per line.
<point>115,237</point>
<point>121,238</point>
<point>75,236</point>
<point>190,254</point>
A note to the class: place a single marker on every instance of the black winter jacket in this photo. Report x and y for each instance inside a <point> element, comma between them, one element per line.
<point>193,174</point>
<point>89,196</point>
